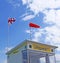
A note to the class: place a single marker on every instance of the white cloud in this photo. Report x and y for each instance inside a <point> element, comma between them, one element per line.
<point>53,16</point>
<point>7,49</point>
<point>37,35</point>
<point>53,33</point>
<point>24,1</point>
<point>27,1</point>
<point>40,5</point>
<point>28,17</point>
<point>28,31</point>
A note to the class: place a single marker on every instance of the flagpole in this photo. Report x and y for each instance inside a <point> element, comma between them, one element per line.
<point>10,21</point>
<point>8,37</point>
<point>30,34</point>
<point>32,25</point>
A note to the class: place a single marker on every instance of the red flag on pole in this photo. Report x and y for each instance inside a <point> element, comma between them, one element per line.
<point>11,20</point>
<point>33,25</point>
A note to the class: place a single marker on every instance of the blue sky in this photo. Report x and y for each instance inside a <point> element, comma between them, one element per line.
<point>47,15</point>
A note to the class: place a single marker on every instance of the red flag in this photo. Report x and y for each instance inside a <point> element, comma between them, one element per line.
<point>11,20</point>
<point>34,25</point>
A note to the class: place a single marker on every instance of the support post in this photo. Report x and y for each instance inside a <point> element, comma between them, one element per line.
<point>47,58</point>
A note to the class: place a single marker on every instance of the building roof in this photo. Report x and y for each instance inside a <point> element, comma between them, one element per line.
<point>43,44</point>
<point>29,41</point>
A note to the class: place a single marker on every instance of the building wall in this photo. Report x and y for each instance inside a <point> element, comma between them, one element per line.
<point>16,57</point>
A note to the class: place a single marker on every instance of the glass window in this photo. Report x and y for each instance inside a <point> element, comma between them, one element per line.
<point>30,46</point>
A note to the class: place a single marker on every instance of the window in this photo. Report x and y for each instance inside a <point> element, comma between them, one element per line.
<point>52,50</point>
<point>30,46</point>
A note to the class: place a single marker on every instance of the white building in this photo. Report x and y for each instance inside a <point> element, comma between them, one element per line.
<point>32,52</point>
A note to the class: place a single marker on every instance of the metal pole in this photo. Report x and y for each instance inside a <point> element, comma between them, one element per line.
<point>30,33</point>
<point>8,37</point>
<point>54,58</point>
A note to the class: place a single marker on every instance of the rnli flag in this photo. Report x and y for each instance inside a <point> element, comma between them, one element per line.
<point>11,20</point>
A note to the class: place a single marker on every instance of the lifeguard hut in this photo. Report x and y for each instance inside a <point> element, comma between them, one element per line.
<point>32,52</point>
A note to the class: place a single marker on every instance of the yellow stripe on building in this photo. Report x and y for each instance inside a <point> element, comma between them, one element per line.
<point>41,47</point>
